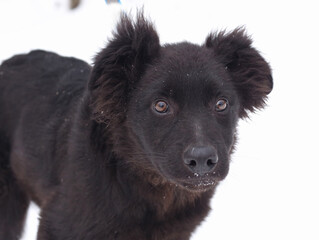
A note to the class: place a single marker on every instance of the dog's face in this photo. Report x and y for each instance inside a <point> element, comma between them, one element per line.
<point>178,104</point>
<point>183,112</point>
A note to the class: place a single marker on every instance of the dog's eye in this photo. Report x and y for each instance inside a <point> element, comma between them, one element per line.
<point>221,105</point>
<point>161,106</point>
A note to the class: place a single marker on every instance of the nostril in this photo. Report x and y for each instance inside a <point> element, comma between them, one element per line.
<point>192,163</point>
<point>210,163</point>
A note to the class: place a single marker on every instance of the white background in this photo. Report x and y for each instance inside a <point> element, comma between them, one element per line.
<point>272,189</point>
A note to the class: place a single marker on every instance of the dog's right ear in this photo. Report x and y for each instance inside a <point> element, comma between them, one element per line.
<point>119,65</point>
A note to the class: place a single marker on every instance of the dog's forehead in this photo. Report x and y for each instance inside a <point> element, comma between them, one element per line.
<point>187,69</point>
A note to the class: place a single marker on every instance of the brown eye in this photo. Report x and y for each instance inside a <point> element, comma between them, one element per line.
<point>221,105</point>
<point>161,106</point>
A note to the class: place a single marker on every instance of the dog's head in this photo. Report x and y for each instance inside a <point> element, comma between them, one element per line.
<point>172,110</point>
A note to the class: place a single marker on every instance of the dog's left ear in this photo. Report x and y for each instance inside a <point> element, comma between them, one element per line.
<point>249,72</point>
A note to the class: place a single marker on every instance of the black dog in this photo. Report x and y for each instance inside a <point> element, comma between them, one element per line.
<point>131,149</point>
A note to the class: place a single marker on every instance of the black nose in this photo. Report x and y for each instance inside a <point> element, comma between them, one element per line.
<point>201,159</point>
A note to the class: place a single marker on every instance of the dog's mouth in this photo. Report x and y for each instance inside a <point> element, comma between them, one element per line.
<point>198,183</point>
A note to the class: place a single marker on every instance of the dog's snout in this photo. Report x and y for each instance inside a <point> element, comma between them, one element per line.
<point>201,159</point>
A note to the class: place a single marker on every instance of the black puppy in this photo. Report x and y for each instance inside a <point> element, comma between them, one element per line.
<point>131,149</point>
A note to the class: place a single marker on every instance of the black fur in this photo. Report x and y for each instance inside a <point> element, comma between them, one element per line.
<point>90,148</point>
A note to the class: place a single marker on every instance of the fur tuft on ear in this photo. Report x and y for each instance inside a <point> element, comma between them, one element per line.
<point>250,73</point>
<point>119,65</point>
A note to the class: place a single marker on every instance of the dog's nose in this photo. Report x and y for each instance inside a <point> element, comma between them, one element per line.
<point>201,159</point>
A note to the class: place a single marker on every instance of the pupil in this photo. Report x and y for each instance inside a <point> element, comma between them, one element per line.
<point>161,105</point>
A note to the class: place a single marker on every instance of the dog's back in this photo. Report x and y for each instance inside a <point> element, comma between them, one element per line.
<point>39,80</point>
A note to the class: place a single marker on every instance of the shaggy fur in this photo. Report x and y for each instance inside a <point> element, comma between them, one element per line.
<point>131,149</point>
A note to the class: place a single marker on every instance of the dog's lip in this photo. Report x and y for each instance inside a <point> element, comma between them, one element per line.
<point>198,183</point>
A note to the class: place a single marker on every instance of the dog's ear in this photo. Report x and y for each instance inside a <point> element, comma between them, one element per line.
<point>119,65</point>
<point>249,72</point>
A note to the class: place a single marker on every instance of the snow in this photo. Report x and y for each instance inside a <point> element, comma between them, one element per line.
<point>272,189</point>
